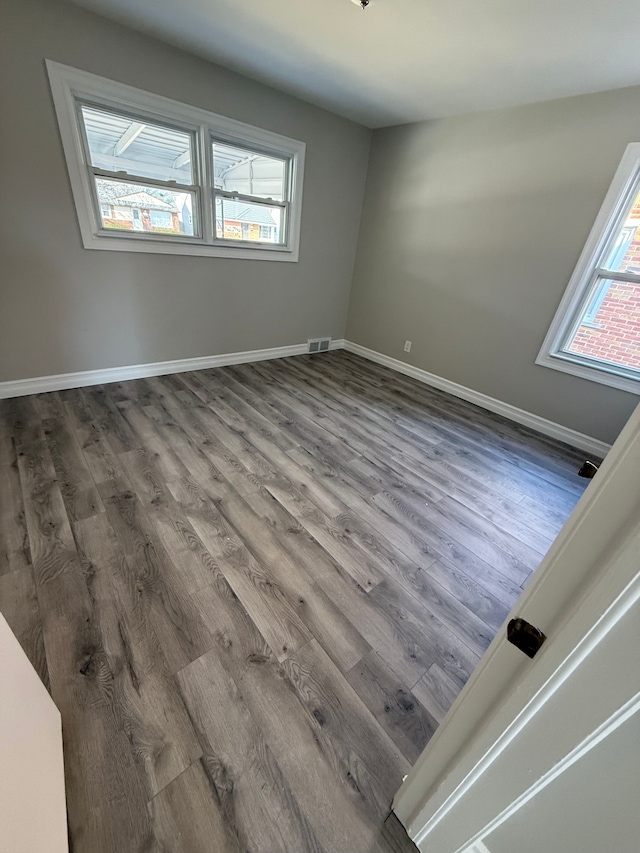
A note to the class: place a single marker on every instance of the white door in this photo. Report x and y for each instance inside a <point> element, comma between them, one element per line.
<point>540,754</point>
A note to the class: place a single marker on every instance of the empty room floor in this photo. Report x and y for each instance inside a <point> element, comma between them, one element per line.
<point>253,592</point>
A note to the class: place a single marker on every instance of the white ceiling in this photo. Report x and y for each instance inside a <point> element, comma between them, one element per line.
<point>405,60</point>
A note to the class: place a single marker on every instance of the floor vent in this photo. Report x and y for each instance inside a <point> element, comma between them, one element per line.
<point>318,344</point>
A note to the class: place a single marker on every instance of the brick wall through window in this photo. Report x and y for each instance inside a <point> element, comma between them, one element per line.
<point>614,336</point>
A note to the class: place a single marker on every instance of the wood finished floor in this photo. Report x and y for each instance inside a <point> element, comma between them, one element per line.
<point>254,591</point>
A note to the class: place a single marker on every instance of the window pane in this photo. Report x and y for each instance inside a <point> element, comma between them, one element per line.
<point>118,143</point>
<point>239,220</point>
<point>610,325</point>
<point>132,207</point>
<point>241,171</point>
<point>625,252</point>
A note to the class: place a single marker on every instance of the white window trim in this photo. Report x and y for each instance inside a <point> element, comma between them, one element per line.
<point>607,221</point>
<point>70,85</point>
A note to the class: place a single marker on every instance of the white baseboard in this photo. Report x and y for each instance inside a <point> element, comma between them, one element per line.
<point>60,381</point>
<point>513,413</point>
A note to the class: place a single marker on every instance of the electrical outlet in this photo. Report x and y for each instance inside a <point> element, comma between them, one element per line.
<point>407,346</point>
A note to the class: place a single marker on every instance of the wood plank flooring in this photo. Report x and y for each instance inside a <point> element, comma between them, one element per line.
<point>255,591</point>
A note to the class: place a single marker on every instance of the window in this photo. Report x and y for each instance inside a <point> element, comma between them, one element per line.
<point>251,194</point>
<point>135,167</point>
<point>153,175</point>
<point>596,331</point>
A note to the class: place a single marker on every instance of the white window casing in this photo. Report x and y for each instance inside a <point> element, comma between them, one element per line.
<point>72,89</point>
<point>590,275</point>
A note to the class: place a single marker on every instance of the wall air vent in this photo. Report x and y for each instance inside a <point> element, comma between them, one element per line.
<point>318,344</point>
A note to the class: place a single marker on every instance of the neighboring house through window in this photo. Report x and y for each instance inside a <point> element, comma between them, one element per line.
<point>596,331</point>
<point>154,175</point>
<point>235,220</point>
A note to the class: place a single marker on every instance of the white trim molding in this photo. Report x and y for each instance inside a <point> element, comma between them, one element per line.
<point>62,381</point>
<point>513,413</point>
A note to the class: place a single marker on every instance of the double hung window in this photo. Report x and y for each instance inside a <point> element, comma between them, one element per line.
<point>154,175</point>
<point>596,331</point>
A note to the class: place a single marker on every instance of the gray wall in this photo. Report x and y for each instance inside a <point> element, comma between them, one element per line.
<point>64,308</point>
<point>470,231</point>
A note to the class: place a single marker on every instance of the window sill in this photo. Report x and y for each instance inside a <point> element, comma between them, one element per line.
<point>178,246</point>
<point>604,374</point>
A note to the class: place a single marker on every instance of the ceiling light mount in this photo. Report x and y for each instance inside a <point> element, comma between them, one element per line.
<point>362,3</point>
